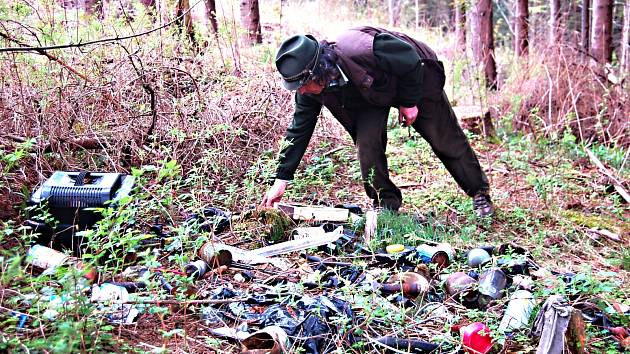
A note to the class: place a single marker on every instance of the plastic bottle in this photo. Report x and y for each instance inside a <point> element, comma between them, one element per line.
<point>299,244</point>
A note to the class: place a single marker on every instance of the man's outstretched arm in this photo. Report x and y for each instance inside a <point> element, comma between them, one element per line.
<point>298,136</point>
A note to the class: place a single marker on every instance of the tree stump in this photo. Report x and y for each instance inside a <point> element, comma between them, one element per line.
<point>474,119</point>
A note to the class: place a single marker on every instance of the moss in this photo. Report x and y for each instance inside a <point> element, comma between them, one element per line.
<point>270,224</point>
<point>596,221</point>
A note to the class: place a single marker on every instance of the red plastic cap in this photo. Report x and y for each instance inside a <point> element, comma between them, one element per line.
<point>476,338</point>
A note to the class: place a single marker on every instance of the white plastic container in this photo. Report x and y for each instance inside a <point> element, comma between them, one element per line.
<point>518,311</point>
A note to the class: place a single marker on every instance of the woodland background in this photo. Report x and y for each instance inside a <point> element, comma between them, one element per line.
<point>184,95</point>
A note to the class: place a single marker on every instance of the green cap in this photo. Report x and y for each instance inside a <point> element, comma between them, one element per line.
<point>296,59</point>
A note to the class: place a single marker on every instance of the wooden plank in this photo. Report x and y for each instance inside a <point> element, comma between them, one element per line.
<point>313,213</point>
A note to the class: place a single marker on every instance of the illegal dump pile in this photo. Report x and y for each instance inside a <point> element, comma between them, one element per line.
<point>290,279</point>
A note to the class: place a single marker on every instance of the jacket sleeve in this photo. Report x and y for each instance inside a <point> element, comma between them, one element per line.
<point>400,59</point>
<point>298,135</point>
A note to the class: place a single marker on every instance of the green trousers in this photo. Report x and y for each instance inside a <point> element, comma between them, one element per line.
<point>438,125</point>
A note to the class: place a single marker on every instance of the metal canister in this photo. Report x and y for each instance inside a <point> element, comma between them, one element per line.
<point>450,251</point>
<point>492,282</point>
<point>410,283</point>
<point>215,256</point>
<point>462,287</point>
<point>430,254</point>
<point>49,259</point>
<point>478,257</point>
<point>45,257</point>
<point>196,269</point>
<point>518,311</point>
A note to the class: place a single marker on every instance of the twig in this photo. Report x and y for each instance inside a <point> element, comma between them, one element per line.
<point>147,88</point>
<point>49,56</point>
<point>62,63</point>
<point>373,341</point>
<point>41,50</point>
<point>176,302</point>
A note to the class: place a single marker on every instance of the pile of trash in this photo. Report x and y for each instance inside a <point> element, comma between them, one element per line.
<point>318,283</point>
<point>309,278</point>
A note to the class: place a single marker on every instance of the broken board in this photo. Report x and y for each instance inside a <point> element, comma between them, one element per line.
<point>313,213</point>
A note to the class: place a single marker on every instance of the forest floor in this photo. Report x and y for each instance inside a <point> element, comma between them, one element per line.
<point>550,199</point>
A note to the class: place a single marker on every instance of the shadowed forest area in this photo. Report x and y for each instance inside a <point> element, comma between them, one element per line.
<point>182,102</point>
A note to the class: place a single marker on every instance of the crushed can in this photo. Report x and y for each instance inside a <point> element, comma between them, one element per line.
<point>492,282</point>
<point>518,311</point>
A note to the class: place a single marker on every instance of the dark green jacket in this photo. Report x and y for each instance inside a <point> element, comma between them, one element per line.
<point>385,69</point>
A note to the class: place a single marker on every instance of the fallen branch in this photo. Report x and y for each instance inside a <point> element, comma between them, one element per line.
<point>605,233</point>
<point>73,143</point>
<point>616,183</point>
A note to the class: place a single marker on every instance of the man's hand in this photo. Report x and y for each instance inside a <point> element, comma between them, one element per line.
<point>274,194</point>
<point>407,115</point>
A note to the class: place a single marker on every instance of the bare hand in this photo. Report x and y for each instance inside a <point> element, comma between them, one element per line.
<point>407,115</point>
<point>274,194</point>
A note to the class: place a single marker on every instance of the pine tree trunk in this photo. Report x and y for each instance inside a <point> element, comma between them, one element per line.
<point>554,22</point>
<point>585,25</point>
<point>625,41</point>
<point>394,8</point>
<point>482,36</point>
<point>211,13</point>
<point>601,35</point>
<point>250,20</point>
<point>186,25</point>
<point>521,24</point>
<point>460,24</point>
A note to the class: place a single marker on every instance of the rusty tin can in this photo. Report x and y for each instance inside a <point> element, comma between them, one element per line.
<point>461,286</point>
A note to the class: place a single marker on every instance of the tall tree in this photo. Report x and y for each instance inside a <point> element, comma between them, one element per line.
<point>250,20</point>
<point>183,8</point>
<point>482,35</point>
<point>554,21</point>
<point>601,35</point>
<point>625,40</point>
<point>521,28</point>
<point>585,25</point>
<point>211,13</point>
<point>394,7</point>
<point>460,24</point>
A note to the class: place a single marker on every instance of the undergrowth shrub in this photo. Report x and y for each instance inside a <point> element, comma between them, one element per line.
<point>559,89</point>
